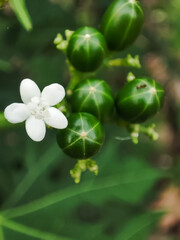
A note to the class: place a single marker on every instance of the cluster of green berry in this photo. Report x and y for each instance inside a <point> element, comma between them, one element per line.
<point>92,100</point>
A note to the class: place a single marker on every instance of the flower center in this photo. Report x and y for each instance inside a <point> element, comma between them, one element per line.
<point>92,89</point>
<point>153,90</point>
<point>83,135</point>
<point>38,108</point>
<point>133,1</point>
<point>87,36</point>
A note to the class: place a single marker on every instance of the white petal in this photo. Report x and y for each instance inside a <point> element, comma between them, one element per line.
<point>29,89</point>
<point>53,94</point>
<point>56,118</point>
<point>16,112</point>
<point>35,128</point>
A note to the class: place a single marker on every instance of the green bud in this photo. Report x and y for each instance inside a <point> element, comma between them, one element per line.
<point>83,137</point>
<point>93,96</point>
<point>139,100</point>
<point>122,23</point>
<point>86,49</point>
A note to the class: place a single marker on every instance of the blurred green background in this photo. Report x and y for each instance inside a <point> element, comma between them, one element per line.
<point>136,194</point>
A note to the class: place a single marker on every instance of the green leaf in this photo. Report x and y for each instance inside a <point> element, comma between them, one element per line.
<point>58,207</point>
<point>31,231</point>
<point>139,227</point>
<point>126,167</point>
<point>34,171</point>
<point>1,233</point>
<point>113,186</point>
<point>21,12</point>
<point>124,181</point>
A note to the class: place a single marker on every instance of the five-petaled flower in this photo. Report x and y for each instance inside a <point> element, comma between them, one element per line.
<point>37,109</point>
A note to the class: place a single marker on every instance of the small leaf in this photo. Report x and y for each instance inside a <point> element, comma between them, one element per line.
<point>119,186</point>
<point>21,12</point>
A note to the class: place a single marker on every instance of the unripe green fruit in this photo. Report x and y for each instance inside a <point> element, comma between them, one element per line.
<point>83,137</point>
<point>93,96</point>
<point>122,23</point>
<point>139,100</point>
<point>86,49</point>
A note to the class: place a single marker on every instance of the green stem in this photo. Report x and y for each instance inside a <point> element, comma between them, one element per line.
<point>129,61</point>
<point>150,132</point>
<point>76,77</point>
<point>136,129</point>
<point>31,231</point>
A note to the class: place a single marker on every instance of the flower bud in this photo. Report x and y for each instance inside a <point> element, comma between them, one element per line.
<point>83,137</point>
<point>139,100</point>
<point>122,23</point>
<point>86,49</point>
<point>93,96</point>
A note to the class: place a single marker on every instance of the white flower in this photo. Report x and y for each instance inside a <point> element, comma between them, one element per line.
<point>37,109</point>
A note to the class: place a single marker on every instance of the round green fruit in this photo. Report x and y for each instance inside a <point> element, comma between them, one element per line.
<point>86,49</point>
<point>83,137</point>
<point>139,100</point>
<point>93,96</point>
<point>122,23</point>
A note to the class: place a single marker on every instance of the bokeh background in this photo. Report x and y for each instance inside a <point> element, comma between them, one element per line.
<point>136,195</point>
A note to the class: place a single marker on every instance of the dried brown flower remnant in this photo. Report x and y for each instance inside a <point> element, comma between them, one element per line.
<point>169,200</point>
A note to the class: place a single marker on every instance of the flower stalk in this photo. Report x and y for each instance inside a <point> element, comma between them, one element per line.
<point>81,166</point>
<point>129,61</point>
<point>149,131</point>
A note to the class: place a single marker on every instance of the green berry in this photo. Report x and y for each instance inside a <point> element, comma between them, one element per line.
<point>86,49</point>
<point>122,23</point>
<point>93,96</point>
<point>83,137</point>
<point>139,100</point>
